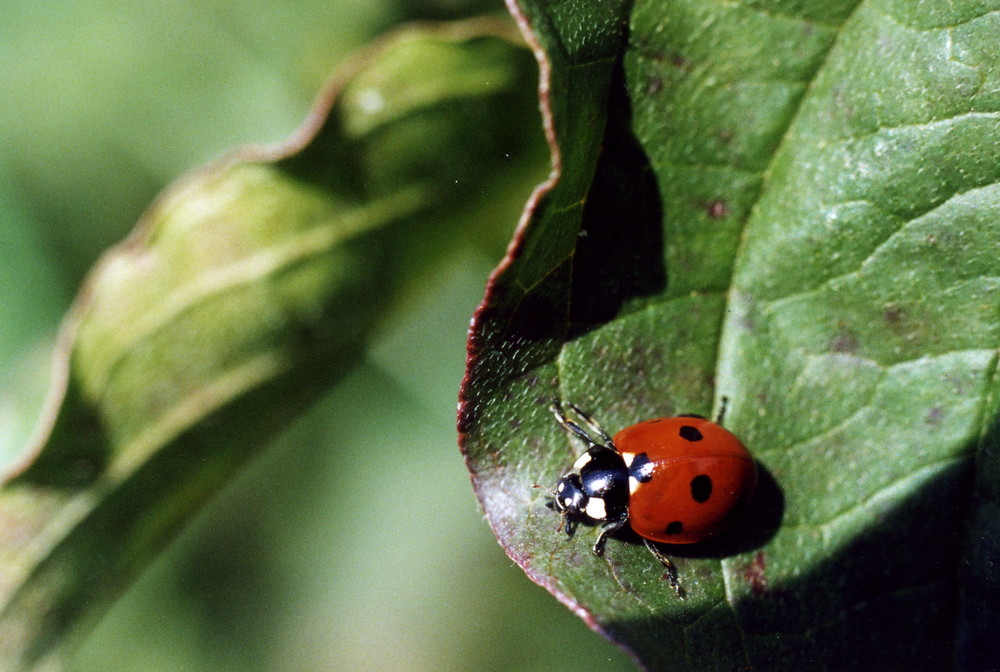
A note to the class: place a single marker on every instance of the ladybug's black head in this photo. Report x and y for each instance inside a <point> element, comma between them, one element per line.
<point>570,499</point>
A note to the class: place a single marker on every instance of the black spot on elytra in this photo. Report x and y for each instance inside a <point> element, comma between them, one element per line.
<point>701,488</point>
<point>690,433</point>
<point>638,469</point>
<point>675,527</point>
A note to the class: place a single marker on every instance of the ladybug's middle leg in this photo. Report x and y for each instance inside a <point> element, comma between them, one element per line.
<point>608,529</point>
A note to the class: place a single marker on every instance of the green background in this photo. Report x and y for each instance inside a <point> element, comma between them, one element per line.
<point>353,543</point>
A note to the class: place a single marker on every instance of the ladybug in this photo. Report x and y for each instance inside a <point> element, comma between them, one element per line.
<point>673,480</point>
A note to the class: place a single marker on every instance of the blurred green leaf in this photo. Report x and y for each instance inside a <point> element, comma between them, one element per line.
<point>796,208</point>
<point>245,291</point>
<point>30,301</point>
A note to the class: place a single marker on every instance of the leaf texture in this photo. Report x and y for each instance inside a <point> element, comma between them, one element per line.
<point>794,208</point>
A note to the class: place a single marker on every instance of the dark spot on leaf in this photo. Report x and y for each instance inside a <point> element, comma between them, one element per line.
<point>844,342</point>
<point>679,61</point>
<point>755,575</point>
<point>895,318</point>
<point>701,488</point>
<point>957,383</point>
<point>689,433</point>
<point>717,209</point>
<point>892,314</point>
<point>934,415</point>
<point>675,527</point>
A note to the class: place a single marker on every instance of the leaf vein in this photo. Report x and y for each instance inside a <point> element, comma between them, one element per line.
<point>741,249</point>
<point>773,305</point>
<point>778,16</point>
<point>247,270</point>
<point>882,493</point>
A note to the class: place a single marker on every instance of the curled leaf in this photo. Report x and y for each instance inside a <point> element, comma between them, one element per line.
<point>247,289</point>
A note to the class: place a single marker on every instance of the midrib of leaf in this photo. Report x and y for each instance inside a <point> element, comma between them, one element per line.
<point>765,181</point>
<point>725,564</point>
<point>654,305</point>
<point>199,403</point>
<point>207,285</point>
<point>727,340</point>
<point>75,507</point>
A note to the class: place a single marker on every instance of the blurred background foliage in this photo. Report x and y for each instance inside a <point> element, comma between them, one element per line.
<point>354,542</point>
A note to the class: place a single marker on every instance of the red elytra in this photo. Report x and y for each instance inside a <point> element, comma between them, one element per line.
<point>694,478</point>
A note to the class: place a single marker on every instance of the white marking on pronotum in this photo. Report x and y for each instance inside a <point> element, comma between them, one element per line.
<point>596,509</point>
<point>633,485</point>
<point>582,460</point>
<point>628,457</point>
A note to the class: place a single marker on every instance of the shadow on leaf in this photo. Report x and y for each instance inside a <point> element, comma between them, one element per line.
<point>886,601</point>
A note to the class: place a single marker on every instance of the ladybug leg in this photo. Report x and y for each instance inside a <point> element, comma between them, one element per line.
<point>671,573</point>
<point>557,410</point>
<point>593,424</point>
<point>609,528</point>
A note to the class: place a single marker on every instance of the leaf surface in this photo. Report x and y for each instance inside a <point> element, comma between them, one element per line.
<point>794,208</point>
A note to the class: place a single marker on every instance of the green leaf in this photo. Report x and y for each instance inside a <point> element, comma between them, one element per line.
<point>247,289</point>
<point>795,208</point>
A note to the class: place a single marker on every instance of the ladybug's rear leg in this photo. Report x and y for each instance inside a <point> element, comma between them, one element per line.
<point>671,573</point>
